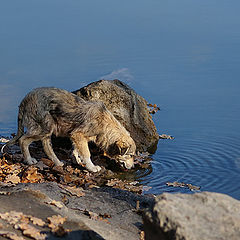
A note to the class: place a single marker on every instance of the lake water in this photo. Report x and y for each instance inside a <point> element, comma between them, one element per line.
<point>182,55</point>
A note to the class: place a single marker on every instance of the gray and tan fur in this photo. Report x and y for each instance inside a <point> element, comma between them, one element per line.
<point>47,111</point>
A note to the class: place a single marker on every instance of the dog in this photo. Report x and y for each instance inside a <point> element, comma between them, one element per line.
<point>46,111</point>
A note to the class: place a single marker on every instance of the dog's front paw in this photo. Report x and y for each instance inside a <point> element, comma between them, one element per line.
<point>95,169</point>
<point>30,161</point>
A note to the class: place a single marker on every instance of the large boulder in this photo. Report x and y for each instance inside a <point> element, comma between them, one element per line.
<point>128,107</point>
<point>193,217</point>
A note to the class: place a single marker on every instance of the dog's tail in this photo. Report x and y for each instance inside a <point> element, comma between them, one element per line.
<point>20,132</point>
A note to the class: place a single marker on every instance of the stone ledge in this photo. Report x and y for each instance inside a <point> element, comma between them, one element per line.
<point>199,216</point>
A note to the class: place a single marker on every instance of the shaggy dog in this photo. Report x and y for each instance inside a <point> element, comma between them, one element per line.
<point>47,111</point>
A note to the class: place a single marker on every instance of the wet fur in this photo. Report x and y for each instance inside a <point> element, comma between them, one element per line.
<point>47,111</point>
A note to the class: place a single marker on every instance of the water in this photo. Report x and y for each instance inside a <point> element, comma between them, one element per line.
<point>181,55</point>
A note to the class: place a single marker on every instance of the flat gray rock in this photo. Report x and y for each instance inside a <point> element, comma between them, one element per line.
<point>199,216</point>
<point>103,213</point>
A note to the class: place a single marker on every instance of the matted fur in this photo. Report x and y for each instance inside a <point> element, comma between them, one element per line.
<point>47,111</point>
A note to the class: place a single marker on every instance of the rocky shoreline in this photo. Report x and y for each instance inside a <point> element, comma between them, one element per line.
<point>51,210</point>
<point>43,201</point>
<point>93,205</point>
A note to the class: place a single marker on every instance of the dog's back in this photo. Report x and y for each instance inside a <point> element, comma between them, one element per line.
<point>50,109</point>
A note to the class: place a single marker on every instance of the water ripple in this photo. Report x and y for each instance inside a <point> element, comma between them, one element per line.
<point>213,164</point>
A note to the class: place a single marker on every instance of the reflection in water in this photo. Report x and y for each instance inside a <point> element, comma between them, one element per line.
<point>123,74</point>
<point>181,55</point>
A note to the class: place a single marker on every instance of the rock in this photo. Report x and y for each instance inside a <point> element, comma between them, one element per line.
<point>128,107</point>
<point>103,213</point>
<point>193,217</point>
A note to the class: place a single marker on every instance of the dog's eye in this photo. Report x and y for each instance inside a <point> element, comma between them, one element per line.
<point>122,164</point>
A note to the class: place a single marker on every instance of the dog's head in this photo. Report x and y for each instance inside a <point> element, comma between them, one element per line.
<point>123,151</point>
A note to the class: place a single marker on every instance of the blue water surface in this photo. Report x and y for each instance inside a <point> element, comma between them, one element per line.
<point>182,55</point>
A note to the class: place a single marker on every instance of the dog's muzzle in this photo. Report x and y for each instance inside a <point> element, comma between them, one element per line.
<point>127,163</point>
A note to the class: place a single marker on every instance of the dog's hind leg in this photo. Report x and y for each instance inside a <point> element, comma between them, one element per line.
<point>47,146</point>
<point>82,153</point>
<point>24,142</point>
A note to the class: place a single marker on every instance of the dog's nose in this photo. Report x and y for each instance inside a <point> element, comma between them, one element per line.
<point>129,164</point>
